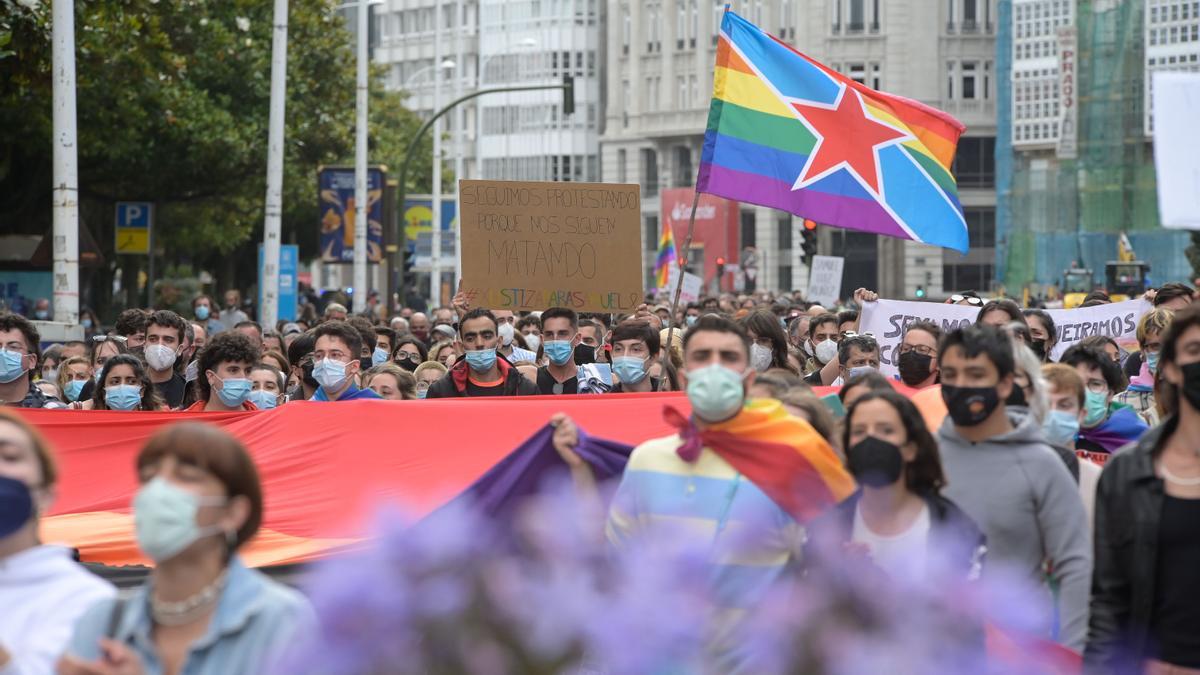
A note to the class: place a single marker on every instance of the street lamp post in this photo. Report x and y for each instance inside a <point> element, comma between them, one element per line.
<point>361,224</point>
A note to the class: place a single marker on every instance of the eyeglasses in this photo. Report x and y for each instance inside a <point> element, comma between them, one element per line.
<point>1097,386</point>
<point>920,349</point>
<point>115,338</point>
<point>971,300</point>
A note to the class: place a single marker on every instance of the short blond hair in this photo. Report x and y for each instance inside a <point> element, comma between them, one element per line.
<point>1156,320</point>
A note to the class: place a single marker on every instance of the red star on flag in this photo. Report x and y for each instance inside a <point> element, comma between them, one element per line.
<point>848,138</point>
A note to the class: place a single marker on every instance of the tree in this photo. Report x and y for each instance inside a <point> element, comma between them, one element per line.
<point>173,104</point>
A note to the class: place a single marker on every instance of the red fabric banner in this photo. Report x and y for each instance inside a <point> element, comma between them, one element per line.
<point>325,467</point>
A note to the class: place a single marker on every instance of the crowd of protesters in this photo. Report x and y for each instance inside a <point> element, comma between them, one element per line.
<point>1083,473</point>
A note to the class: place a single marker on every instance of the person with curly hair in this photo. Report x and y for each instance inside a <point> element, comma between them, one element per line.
<point>223,368</point>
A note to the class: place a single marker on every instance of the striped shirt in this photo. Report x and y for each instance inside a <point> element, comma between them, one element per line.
<point>709,504</point>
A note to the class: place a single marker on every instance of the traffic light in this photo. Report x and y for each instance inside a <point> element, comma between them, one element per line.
<point>568,95</point>
<point>808,239</point>
<point>406,268</point>
<point>920,292</point>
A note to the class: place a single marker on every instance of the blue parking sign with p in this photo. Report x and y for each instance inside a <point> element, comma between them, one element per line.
<point>134,220</point>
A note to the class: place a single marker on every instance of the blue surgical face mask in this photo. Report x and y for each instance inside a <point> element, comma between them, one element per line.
<point>631,369</point>
<point>1152,362</point>
<point>1061,428</point>
<point>1097,407</point>
<point>379,356</point>
<point>11,365</point>
<point>857,370</point>
<point>559,351</point>
<point>715,392</point>
<point>481,360</point>
<point>123,396</point>
<point>263,399</point>
<point>86,323</point>
<point>422,393</point>
<point>330,374</point>
<point>234,391</point>
<point>691,320</point>
<point>164,518</point>
<point>202,312</point>
<point>73,389</point>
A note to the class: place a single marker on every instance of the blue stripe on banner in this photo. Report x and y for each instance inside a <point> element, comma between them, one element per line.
<point>666,494</point>
<point>919,202</point>
<point>792,75</point>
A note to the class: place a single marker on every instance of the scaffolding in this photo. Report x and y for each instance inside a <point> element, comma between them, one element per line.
<point>1057,210</point>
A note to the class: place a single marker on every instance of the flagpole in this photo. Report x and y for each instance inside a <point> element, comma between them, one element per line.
<point>687,245</point>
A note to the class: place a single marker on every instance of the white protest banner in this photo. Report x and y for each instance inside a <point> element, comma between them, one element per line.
<point>1118,320</point>
<point>690,292</point>
<point>825,280</point>
<point>888,319</point>
<point>1177,148</point>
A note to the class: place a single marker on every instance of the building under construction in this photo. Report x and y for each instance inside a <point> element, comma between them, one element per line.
<point>1075,165</point>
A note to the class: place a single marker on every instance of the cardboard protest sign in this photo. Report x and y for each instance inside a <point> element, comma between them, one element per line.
<point>825,280</point>
<point>888,319</point>
<point>534,245</point>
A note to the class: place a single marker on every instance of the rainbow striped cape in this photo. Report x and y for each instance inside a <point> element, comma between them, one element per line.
<point>787,132</point>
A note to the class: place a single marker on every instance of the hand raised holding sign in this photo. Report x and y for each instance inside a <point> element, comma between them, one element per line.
<point>460,302</point>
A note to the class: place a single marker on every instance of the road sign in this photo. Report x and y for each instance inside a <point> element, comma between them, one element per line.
<point>289,257</point>
<point>134,222</point>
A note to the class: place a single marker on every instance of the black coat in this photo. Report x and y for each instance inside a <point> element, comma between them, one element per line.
<point>1129,502</point>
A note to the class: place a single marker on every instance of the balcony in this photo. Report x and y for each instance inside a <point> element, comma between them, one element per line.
<point>673,123</point>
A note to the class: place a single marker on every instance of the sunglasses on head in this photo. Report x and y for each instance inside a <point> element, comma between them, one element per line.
<point>115,338</point>
<point>971,300</point>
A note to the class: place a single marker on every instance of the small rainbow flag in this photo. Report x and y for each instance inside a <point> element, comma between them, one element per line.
<point>787,132</point>
<point>667,258</point>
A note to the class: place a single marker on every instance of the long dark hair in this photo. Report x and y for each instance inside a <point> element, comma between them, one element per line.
<point>1168,394</point>
<point>765,324</point>
<point>923,475</point>
<point>150,400</point>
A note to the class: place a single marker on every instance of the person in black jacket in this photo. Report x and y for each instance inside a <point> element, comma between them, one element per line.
<point>898,517</point>
<point>481,372</point>
<point>1145,609</point>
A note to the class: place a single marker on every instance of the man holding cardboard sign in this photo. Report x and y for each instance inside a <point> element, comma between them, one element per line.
<point>481,372</point>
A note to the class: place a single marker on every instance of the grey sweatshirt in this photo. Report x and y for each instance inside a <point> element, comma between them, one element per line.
<point>1022,496</point>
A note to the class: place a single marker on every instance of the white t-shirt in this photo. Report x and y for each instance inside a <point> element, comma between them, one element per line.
<point>907,550</point>
<point>42,593</point>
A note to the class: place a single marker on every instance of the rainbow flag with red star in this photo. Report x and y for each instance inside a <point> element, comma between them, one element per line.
<point>787,132</point>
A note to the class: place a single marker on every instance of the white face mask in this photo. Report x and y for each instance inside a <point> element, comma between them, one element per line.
<point>826,351</point>
<point>760,357</point>
<point>506,333</point>
<point>160,357</point>
<point>534,341</point>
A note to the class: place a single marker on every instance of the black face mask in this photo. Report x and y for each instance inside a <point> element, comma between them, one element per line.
<point>969,406</point>
<point>874,462</point>
<point>1039,348</point>
<point>1191,384</point>
<point>307,369</point>
<point>407,364</point>
<point>914,367</point>
<point>1017,397</point>
<point>365,363</point>
<point>584,354</point>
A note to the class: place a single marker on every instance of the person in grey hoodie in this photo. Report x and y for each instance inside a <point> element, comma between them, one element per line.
<point>1001,471</point>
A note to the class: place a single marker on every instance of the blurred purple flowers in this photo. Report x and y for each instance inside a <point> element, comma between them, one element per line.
<point>546,594</point>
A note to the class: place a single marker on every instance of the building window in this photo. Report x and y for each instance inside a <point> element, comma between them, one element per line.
<point>975,162</point>
<point>967,277</point>
<point>626,30</point>
<point>649,171</point>
<point>856,11</point>
<point>857,72</point>
<point>969,81</point>
<point>981,226</point>
<point>694,9</point>
<point>837,16</point>
<point>718,15</point>
<point>680,24</point>
<point>651,227</point>
<point>622,175</point>
<point>969,23</point>
<point>784,238</point>
<point>681,85</point>
<point>749,231</point>
<point>876,77</point>
<point>684,175</point>
<point>950,80</point>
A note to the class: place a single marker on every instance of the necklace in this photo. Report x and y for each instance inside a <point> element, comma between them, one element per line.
<point>1172,478</point>
<point>187,610</point>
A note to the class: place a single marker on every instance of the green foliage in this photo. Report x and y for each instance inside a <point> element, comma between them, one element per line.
<point>173,100</point>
